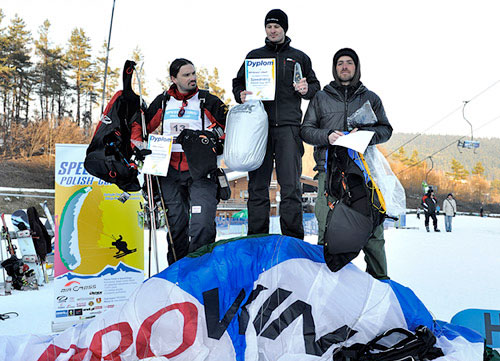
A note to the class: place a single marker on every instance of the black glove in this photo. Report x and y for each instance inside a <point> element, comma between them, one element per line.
<point>140,154</point>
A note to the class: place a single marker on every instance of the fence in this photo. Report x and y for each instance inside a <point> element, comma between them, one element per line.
<point>239,226</point>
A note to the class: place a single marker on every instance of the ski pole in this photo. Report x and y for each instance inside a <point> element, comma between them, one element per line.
<point>149,184</point>
<point>170,239</point>
<point>107,58</point>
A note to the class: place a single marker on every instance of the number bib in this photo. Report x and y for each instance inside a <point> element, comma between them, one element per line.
<point>173,124</point>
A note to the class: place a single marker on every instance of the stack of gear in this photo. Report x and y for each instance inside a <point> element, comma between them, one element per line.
<point>109,153</point>
<point>358,209</point>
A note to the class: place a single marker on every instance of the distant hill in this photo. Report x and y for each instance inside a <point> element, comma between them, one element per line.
<point>488,153</point>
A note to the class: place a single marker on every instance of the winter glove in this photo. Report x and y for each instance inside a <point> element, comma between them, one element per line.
<point>200,148</point>
<point>140,154</point>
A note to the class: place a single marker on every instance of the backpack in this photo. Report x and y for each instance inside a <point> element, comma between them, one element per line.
<point>109,153</point>
<point>418,346</point>
<point>359,207</point>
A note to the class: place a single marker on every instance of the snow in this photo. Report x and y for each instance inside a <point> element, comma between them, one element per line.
<point>447,271</point>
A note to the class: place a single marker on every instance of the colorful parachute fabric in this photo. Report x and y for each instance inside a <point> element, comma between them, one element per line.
<point>263,298</point>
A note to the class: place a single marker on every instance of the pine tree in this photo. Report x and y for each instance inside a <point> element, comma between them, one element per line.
<point>459,172</point>
<point>478,169</point>
<point>18,60</point>
<point>112,77</point>
<point>80,63</point>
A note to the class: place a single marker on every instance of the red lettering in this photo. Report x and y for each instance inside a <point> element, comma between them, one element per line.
<point>127,338</point>
<point>52,353</point>
<point>190,314</point>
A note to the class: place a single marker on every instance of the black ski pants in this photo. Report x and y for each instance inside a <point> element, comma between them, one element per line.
<point>285,148</point>
<point>434,220</point>
<point>191,210</point>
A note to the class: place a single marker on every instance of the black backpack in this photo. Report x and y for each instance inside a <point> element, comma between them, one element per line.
<point>110,151</point>
<point>418,346</point>
<point>358,209</point>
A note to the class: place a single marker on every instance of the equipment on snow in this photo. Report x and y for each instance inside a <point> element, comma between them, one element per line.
<point>484,322</point>
<point>247,129</point>
<point>418,346</point>
<point>33,274</point>
<point>359,207</point>
<point>7,315</point>
<point>109,155</point>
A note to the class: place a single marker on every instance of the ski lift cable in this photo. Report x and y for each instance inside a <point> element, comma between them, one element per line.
<point>446,116</point>
<point>446,146</point>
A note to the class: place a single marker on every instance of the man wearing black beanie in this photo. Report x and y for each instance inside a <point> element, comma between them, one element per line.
<point>284,147</point>
<point>325,121</point>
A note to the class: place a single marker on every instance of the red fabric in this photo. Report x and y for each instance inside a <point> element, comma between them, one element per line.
<point>174,92</point>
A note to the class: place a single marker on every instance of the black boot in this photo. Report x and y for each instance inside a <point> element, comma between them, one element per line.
<point>436,230</point>
<point>427,228</point>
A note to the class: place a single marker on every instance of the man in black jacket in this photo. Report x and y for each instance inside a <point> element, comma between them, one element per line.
<point>429,204</point>
<point>326,120</point>
<point>284,145</point>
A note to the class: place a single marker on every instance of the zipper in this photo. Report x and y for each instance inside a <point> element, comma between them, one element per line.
<point>345,109</point>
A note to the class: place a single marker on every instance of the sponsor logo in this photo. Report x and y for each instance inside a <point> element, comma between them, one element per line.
<point>98,307</point>
<point>91,303</point>
<point>75,286</point>
<point>95,293</point>
<point>85,298</point>
<point>61,314</point>
<point>98,300</point>
<point>78,312</point>
<point>71,283</point>
<point>62,298</point>
<point>81,304</point>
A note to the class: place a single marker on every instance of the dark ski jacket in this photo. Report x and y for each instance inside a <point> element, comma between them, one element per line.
<point>214,110</point>
<point>329,110</point>
<point>285,108</point>
<point>429,204</point>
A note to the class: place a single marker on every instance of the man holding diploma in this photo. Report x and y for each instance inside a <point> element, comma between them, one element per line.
<point>280,68</point>
<point>326,119</point>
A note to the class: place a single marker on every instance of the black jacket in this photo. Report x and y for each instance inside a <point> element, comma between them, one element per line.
<point>329,110</point>
<point>285,109</point>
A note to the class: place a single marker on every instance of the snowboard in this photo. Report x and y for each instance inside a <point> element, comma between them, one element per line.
<point>19,220</point>
<point>484,322</point>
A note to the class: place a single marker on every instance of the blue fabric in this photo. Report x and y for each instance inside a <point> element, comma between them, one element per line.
<point>236,265</point>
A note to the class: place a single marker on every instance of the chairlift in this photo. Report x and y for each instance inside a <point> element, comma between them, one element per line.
<point>467,144</point>
<point>425,185</point>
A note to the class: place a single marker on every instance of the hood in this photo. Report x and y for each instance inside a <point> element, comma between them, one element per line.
<point>355,79</point>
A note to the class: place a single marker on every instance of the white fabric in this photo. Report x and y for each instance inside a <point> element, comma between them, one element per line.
<point>246,136</point>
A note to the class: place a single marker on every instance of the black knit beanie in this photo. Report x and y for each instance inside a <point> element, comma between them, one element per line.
<point>277,16</point>
<point>346,52</point>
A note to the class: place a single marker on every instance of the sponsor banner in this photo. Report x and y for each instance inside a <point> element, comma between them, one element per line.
<point>99,255</point>
<point>250,299</point>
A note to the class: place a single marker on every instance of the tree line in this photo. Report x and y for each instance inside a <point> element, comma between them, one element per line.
<point>468,186</point>
<point>45,85</point>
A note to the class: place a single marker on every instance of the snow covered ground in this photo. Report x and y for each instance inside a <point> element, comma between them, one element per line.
<point>447,271</point>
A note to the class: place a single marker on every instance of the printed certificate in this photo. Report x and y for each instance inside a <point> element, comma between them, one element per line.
<point>157,162</point>
<point>260,78</point>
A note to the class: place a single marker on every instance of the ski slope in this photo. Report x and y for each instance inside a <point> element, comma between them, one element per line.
<point>447,271</point>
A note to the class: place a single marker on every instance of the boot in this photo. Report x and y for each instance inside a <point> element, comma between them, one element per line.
<point>427,228</point>
<point>436,230</point>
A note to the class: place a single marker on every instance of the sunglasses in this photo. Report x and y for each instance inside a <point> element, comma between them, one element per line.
<point>182,111</point>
